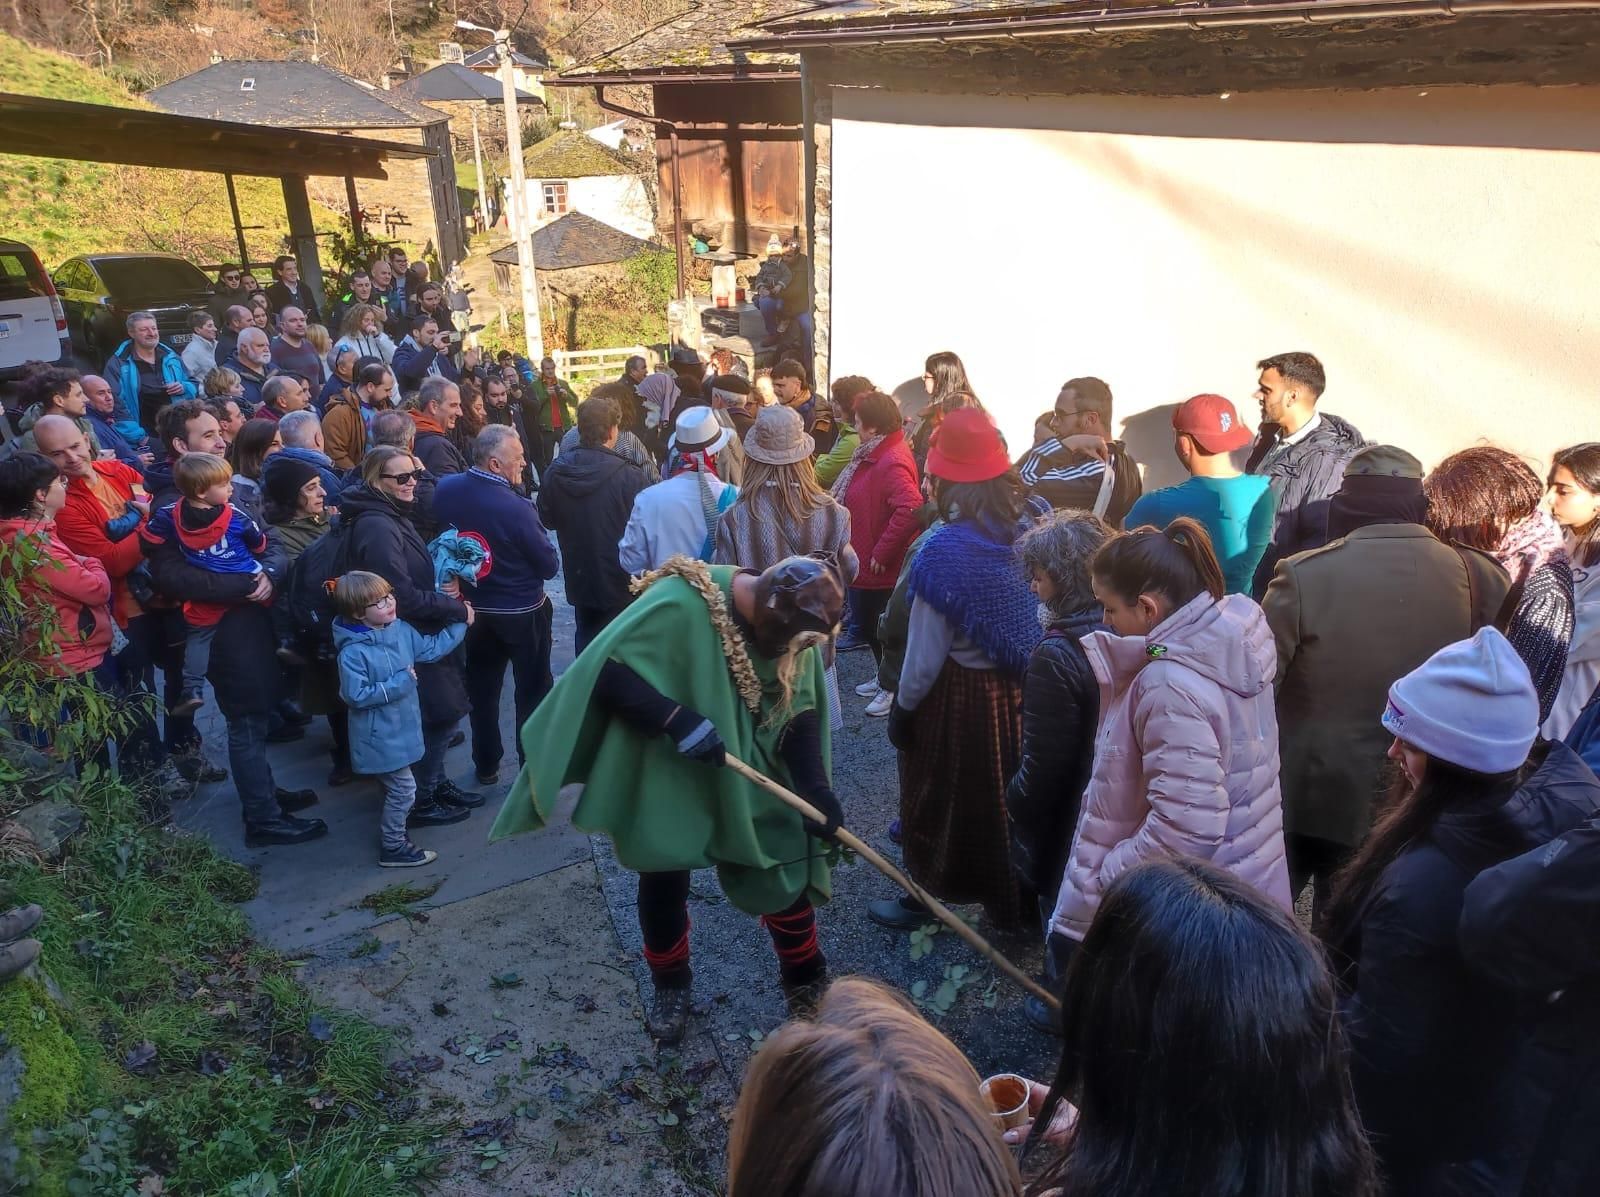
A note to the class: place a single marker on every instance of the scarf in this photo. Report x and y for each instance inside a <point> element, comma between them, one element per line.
<point>659,395</point>
<point>1363,500</point>
<point>974,581</point>
<point>702,463</point>
<point>1531,543</point>
<point>427,423</point>
<point>841,484</point>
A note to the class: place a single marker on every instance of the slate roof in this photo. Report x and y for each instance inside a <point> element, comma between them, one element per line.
<point>290,95</point>
<point>569,154</point>
<point>486,57</point>
<point>451,82</point>
<point>574,240</point>
<point>697,42</point>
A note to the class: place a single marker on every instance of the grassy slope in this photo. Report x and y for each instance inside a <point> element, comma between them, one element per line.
<point>63,208</point>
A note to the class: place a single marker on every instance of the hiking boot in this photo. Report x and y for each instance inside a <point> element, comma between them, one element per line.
<point>899,914</point>
<point>804,996</point>
<point>284,830</point>
<point>196,770</point>
<point>14,957</point>
<point>451,794</point>
<point>17,922</point>
<point>436,814</point>
<point>407,856</point>
<point>290,801</point>
<point>669,1014</point>
<point>191,702</point>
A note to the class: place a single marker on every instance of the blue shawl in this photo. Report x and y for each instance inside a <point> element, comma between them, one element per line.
<point>976,583</point>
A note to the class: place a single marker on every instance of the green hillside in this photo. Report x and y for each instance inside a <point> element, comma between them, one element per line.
<point>63,208</point>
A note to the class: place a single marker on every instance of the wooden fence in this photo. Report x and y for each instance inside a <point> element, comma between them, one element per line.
<point>594,366</point>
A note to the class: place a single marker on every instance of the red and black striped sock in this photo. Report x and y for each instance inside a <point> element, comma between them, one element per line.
<point>794,938</point>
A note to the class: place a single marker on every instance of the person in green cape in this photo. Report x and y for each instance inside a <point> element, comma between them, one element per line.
<point>708,660</point>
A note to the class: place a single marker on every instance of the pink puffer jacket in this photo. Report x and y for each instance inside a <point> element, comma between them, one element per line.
<point>1186,756</point>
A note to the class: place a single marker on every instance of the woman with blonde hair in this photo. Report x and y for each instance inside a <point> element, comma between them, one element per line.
<point>782,512</point>
<point>868,1100</point>
<point>362,330</point>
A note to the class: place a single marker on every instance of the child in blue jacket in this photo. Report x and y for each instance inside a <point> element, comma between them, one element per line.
<point>377,652</point>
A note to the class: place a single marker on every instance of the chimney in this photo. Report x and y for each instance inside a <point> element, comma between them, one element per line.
<point>216,57</point>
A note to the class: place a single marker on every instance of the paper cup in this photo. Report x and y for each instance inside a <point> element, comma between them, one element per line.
<point>1006,1095</point>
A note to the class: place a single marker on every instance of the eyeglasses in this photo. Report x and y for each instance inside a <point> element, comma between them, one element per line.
<point>405,479</point>
<point>230,278</point>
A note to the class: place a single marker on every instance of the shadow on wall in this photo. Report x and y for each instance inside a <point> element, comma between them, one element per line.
<point>1148,438</point>
<point>912,397</point>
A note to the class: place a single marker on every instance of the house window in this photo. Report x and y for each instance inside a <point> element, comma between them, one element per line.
<point>555,198</point>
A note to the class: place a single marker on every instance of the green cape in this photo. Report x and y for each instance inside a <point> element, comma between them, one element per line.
<point>662,811</point>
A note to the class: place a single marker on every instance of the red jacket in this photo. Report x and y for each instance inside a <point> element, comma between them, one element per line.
<point>81,525</point>
<point>883,500</point>
<point>79,591</point>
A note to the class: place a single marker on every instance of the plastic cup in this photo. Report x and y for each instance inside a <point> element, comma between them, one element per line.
<point>1006,1095</point>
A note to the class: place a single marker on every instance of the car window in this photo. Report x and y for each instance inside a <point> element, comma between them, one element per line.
<point>73,275</point>
<point>21,276</point>
<point>127,277</point>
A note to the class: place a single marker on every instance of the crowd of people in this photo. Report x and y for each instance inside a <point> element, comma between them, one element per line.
<point>1137,725</point>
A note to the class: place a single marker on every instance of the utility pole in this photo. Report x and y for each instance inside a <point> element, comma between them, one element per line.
<point>520,226</point>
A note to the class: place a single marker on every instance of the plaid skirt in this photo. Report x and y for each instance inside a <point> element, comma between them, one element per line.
<point>952,790</point>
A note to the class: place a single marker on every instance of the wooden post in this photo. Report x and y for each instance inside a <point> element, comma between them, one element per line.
<point>357,225</point>
<point>238,223</point>
<point>303,235</point>
<point>677,210</point>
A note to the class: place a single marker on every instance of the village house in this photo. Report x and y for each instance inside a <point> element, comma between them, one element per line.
<point>1161,194</point>
<point>572,172</point>
<point>527,72</point>
<point>727,122</point>
<point>308,95</point>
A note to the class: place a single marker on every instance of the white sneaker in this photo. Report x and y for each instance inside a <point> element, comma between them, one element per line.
<point>881,705</point>
<point>868,689</point>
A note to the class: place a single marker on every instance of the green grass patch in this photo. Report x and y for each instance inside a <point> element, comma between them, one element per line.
<point>185,1051</point>
<point>398,899</point>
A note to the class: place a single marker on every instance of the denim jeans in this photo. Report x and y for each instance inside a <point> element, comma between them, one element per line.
<point>252,775</point>
<point>197,656</point>
<point>399,795</point>
<point>493,642</point>
<point>429,771</point>
<point>159,636</point>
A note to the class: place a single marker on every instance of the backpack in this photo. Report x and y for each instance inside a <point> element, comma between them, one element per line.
<point>309,590</point>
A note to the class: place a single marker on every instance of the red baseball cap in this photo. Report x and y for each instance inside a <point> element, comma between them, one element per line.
<point>967,447</point>
<point>1212,422</point>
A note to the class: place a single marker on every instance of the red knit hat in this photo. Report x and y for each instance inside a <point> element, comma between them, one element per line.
<point>967,447</point>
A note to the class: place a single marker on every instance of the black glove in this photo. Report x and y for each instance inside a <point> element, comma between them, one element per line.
<point>832,814</point>
<point>902,728</point>
<point>696,738</point>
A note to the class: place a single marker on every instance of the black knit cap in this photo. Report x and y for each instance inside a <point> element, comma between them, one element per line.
<point>281,480</point>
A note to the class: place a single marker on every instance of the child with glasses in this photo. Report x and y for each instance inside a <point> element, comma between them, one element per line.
<point>378,652</point>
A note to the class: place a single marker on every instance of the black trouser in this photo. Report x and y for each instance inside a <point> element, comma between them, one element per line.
<point>1316,860</point>
<point>140,749</point>
<point>494,641</point>
<point>591,622</point>
<point>866,606</point>
<point>664,920</point>
<point>160,636</point>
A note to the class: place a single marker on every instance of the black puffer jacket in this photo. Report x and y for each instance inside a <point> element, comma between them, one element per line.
<point>383,541</point>
<point>1532,925</point>
<point>1060,710</point>
<point>1433,1042</point>
<point>585,499</point>
<point>439,453</point>
<point>1304,476</point>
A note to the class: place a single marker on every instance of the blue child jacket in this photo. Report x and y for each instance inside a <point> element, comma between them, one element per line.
<point>376,683</point>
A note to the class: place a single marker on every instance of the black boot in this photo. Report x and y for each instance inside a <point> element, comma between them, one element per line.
<point>669,1014</point>
<point>450,794</point>
<point>803,991</point>
<point>290,801</point>
<point>287,829</point>
<point>900,914</point>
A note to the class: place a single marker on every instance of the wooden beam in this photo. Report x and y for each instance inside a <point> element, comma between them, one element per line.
<point>252,160</point>
<point>238,222</point>
<point>354,201</point>
<point>303,234</point>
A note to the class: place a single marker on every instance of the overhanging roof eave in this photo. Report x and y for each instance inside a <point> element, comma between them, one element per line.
<point>750,74</point>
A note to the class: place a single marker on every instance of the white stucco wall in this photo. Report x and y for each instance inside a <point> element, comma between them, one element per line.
<point>619,200</point>
<point>1437,250</point>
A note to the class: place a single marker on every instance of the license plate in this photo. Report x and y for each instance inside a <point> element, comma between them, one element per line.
<point>5,329</point>
<point>181,338</point>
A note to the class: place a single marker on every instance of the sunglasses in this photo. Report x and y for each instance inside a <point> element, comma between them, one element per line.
<point>405,479</point>
<point>230,278</point>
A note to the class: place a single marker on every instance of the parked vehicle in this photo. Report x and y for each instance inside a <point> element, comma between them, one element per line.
<point>100,292</point>
<point>33,326</point>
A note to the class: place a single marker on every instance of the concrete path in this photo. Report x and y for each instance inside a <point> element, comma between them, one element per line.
<point>578,1099</point>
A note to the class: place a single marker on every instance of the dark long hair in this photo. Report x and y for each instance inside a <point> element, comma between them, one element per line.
<point>1202,1050</point>
<point>1405,816</point>
<point>995,505</point>
<point>1176,562</point>
<point>1583,463</point>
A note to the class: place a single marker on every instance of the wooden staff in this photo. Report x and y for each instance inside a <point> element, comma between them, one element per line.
<point>887,868</point>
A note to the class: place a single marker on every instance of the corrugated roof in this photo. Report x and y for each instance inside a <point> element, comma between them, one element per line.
<point>697,42</point>
<point>569,154</point>
<point>576,239</point>
<point>290,95</point>
<point>453,83</point>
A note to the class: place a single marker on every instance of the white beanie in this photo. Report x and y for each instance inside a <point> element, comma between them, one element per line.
<point>1472,704</point>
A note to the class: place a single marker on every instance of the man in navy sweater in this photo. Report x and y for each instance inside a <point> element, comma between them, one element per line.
<point>513,623</point>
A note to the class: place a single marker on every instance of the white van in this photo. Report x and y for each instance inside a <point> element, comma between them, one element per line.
<point>33,326</point>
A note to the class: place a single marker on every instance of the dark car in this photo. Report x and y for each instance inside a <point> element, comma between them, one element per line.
<point>100,292</point>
